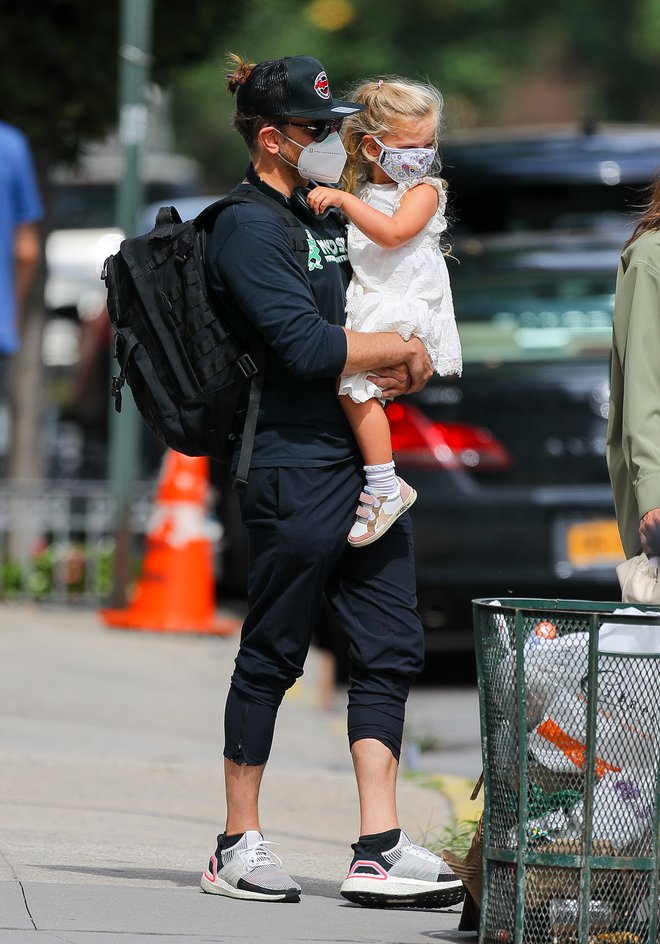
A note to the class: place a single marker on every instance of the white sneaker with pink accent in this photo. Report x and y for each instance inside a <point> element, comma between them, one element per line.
<point>248,869</point>
<point>376,513</point>
<point>403,875</point>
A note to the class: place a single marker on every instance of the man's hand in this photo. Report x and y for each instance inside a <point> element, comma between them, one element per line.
<point>365,351</point>
<point>419,365</point>
<point>649,533</point>
<point>393,381</point>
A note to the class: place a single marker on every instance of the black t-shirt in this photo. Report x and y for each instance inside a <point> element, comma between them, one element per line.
<point>258,282</point>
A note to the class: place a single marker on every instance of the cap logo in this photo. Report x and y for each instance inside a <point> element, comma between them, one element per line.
<point>322,86</point>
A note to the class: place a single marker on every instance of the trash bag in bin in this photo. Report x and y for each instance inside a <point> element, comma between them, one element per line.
<point>622,809</point>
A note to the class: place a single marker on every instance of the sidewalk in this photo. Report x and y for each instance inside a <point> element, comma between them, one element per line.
<point>111,795</point>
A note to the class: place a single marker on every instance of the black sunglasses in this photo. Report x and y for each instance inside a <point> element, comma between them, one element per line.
<point>319,130</point>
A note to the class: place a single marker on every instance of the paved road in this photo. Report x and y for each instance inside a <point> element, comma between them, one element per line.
<point>110,792</point>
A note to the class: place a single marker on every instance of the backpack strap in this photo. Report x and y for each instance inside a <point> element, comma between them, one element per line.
<point>298,242</point>
<point>249,430</point>
<point>245,193</point>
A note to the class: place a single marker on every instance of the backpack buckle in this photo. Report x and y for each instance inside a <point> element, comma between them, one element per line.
<point>247,365</point>
<point>117,384</point>
<point>183,253</point>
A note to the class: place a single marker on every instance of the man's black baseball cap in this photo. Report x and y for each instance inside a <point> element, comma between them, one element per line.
<point>296,86</point>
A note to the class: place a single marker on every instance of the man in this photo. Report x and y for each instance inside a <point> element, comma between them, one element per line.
<point>20,208</point>
<point>299,503</point>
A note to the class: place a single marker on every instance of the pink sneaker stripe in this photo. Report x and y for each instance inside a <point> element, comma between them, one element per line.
<point>380,876</point>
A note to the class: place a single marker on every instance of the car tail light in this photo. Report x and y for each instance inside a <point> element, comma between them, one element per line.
<point>418,441</point>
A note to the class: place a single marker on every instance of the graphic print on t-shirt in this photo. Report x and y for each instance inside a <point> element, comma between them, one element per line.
<point>334,250</point>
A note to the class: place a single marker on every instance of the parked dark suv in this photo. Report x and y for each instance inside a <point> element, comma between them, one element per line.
<point>508,181</point>
<point>509,461</point>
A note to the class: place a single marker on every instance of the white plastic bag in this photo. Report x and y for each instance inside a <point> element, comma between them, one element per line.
<point>559,742</point>
<point>629,639</point>
<point>623,806</point>
<point>553,667</point>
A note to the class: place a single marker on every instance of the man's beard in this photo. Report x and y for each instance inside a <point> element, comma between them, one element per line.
<point>290,162</point>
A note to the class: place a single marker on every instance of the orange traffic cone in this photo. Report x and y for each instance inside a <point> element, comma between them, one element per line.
<point>175,593</point>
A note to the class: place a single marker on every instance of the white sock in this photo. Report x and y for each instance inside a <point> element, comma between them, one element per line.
<point>381,479</point>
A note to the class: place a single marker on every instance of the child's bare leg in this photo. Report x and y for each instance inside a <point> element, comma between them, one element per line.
<point>371,429</point>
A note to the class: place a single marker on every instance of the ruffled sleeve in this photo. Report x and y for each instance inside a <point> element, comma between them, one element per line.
<point>402,190</point>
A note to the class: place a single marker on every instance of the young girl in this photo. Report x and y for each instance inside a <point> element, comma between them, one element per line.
<point>400,280</point>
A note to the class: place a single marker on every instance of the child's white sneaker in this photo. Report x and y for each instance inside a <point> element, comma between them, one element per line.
<point>375,514</point>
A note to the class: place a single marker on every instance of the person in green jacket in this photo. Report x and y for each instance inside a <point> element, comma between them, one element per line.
<point>633,433</point>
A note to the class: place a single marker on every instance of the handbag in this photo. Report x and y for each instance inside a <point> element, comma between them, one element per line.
<point>470,871</point>
<point>639,579</point>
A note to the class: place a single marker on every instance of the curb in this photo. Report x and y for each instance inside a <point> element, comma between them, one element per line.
<point>456,791</point>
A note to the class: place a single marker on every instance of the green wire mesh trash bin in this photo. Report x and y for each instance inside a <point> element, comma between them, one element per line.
<point>569,698</point>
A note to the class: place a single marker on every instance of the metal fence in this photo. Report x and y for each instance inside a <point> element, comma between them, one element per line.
<point>57,539</point>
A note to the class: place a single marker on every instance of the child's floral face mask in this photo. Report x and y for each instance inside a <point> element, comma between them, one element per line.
<point>404,164</point>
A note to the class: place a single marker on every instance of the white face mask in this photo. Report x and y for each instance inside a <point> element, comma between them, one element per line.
<point>404,164</point>
<point>322,161</point>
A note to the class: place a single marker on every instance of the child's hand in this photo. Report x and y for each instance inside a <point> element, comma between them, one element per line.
<point>320,198</point>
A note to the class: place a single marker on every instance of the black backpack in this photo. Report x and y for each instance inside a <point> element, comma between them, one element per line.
<point>195,386</point>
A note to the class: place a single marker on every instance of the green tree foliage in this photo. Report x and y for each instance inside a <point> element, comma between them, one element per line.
<point>460,45</point>
<point>473,50</point>
<point>615,48</point>
<point>58,81</point>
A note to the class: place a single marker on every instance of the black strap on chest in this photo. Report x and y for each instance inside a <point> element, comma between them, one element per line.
<point>298,241</point>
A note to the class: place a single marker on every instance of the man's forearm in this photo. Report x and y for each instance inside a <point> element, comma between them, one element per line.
<point>26,261</point>
<point>370,351</point>
<point>365,352</point>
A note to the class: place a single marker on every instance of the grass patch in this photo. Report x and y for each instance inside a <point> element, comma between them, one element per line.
<point>456,835</point>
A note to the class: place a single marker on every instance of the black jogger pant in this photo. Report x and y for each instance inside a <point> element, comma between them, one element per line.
<point>298,521</point>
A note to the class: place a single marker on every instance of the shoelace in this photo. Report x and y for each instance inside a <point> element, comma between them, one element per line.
<point>421,852</point>
<point>259,855</point>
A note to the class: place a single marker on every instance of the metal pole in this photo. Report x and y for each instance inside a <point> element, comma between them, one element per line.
<point>134,62</point>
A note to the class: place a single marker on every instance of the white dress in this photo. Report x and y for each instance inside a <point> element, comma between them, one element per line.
<point>405,289</point>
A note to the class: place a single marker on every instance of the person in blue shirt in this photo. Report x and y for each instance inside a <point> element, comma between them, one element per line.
<point>299,502</point>
<point>20,244</point>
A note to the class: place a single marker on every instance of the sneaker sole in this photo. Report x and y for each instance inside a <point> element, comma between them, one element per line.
<point>402,893</point>
<point>397,514</point>
<point>220,887</point>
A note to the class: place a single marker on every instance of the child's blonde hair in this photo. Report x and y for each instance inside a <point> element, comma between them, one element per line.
<point>388,100</point>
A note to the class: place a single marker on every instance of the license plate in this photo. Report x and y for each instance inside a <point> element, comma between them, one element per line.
<point>594,544</point>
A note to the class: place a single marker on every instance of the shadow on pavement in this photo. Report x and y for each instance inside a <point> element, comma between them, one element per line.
<point>318,887</point>
<point>454,937</point>
<point>182,879</point>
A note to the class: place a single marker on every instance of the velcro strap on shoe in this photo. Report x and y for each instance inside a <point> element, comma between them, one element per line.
<point>366,499</point>
<point>362,512</point>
